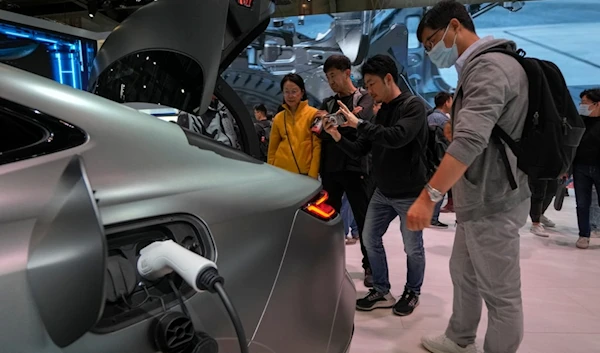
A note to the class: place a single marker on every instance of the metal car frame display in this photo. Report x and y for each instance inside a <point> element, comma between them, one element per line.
<point>283,49</point>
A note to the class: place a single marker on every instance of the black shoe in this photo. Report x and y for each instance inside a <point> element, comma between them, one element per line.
<point>438,225</point>
<point>375,300</point>
<point>407,303</point>
<point>368,281</point>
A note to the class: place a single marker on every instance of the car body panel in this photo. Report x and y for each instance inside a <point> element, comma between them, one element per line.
<point>54,242</point>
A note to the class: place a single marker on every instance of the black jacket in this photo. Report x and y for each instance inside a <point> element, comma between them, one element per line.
<point>397,139</point>
<point>334,160</point>
<point>588,152</point>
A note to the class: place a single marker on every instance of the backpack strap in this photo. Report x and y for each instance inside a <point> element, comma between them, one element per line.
<point>358,94</point>
<point>330,104</point>
<point>499,135</point>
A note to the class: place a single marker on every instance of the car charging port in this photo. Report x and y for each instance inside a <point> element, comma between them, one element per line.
<point>162,259</point>
<point>174,333</point>
<point>130,298</point>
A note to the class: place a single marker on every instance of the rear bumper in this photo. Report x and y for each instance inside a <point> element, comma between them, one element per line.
<point>343,329</point>
<point>313,302</point>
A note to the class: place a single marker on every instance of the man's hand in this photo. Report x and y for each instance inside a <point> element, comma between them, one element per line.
<point>351,119</point>
<point>331,129</point>
<point>357,110</point>
<point>420,213</point>
<point>448,131</point>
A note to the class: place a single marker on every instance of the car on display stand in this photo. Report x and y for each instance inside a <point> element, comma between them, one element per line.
<point>121,232</point>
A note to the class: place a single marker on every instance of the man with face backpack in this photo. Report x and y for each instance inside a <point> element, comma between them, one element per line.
<point>492,90</point>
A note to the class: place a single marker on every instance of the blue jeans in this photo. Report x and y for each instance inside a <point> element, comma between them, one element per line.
<point>348,218</point>
<point>382,211</point>
<point>584,177</point>
<point>436,212</point>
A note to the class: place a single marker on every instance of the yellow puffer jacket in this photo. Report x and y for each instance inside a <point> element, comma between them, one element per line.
<point>305,145</point>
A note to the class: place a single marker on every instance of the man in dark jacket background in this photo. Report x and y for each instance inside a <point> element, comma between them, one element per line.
<point>396,138</point>
<point>339,172</point>
<point>262,126</point>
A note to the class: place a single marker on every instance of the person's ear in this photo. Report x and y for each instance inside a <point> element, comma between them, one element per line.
<point>388,79</point>
<point>455,25</point>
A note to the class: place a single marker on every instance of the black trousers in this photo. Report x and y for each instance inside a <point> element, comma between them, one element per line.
<point>358,189</point>
<point>542,193</point>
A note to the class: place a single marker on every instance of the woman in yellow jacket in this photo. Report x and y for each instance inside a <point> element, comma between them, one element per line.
<point>292,145</point>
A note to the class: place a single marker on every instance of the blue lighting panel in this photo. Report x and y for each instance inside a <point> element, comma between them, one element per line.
<point>66,59</point>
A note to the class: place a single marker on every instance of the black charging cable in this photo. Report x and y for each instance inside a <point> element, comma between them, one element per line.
<point>211,281</point>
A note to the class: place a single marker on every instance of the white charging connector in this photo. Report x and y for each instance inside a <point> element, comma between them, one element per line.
<point>163,257</point>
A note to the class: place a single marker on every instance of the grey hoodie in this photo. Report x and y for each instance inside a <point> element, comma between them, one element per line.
<point>494,91</point>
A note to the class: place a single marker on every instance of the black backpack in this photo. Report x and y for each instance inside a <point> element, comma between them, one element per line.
<point>263,133</point>
<point>553,127</point>
<point>435,146</point>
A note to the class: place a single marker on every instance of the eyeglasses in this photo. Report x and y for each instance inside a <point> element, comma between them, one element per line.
<point>291,93</point>
<point>428,42</point>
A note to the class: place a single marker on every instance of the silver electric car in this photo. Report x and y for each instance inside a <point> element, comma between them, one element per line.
<point>86,183</point>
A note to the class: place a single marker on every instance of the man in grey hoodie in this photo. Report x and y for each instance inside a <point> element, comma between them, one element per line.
<point>492,90</point>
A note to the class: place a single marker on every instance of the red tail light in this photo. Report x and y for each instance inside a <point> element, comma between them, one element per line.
<point>319,208</point>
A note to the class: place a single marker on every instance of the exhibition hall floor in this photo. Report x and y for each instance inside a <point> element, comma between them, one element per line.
<point>561,292</point>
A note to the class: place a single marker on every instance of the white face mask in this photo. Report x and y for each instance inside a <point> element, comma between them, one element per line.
<point>441,56</point>
<point>585,109</point>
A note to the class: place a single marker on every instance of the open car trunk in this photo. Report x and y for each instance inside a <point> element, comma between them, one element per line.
<point>173,52</point>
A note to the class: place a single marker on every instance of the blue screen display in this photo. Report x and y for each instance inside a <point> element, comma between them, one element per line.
<point>66,59</point>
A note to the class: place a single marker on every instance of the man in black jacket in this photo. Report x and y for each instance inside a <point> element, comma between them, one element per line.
<point>397,139</point>
<point>262,126</point>
<point>339,172</point>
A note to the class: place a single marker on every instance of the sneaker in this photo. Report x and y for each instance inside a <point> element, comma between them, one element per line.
<point>442,344</point>
<point>375,300</point>
<point>407,303</point>
<point>438,225</point>
<point>449,208</point>
<point>595,233</point>
<point>583,242</point>
<point>368,281</point>
<point>547,222</point>
<point>351,241</point>
<point>538,229</point>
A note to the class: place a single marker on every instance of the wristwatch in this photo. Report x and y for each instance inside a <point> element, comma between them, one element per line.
<point>434,194</point>
<point>359,123</point>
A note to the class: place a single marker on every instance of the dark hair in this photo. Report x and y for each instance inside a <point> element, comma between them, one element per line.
<point>261,108</point>
<point>380,65</point>
<point>440,15</point>
<point>337,61</point>
<point>297,80</point>
<point>592,94</point>
<point>441,98</point>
